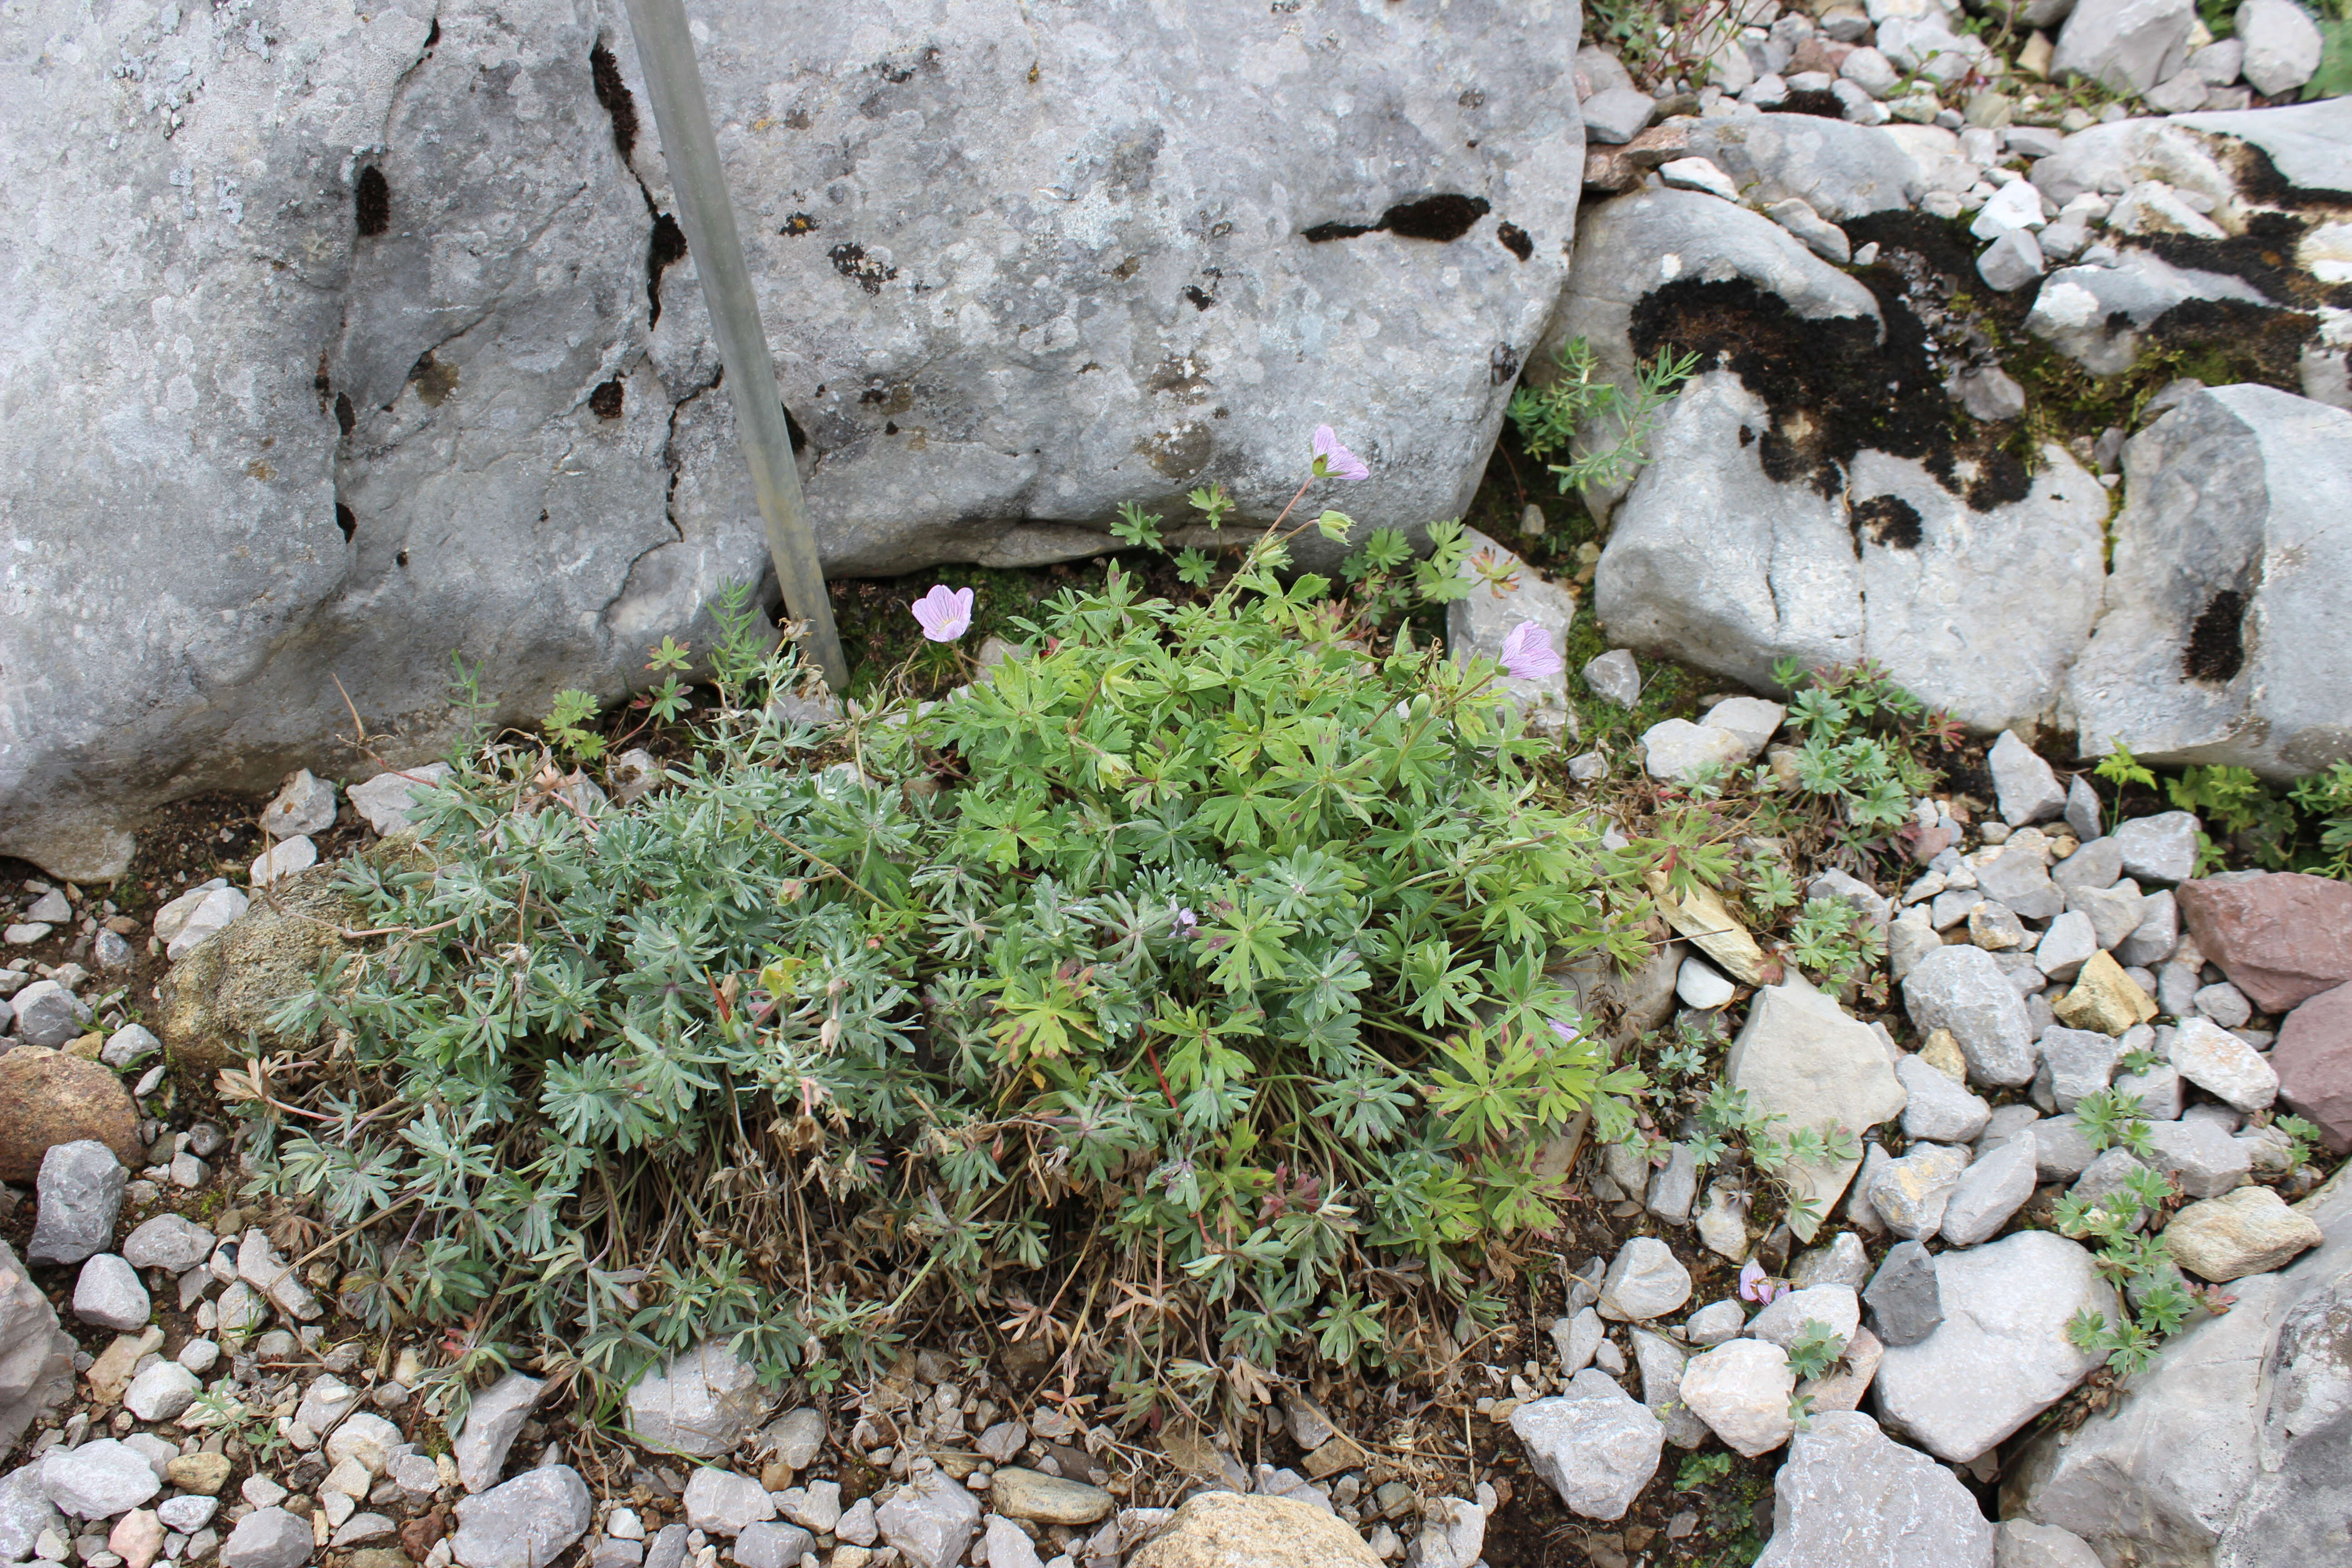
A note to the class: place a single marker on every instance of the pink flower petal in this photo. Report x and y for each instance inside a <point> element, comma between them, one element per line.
<point>944,614</point>
<point>1528,653</point>
<point>1333,461</point>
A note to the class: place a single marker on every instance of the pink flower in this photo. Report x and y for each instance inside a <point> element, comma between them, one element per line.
<point>1755,1286</point>
<point>1528,655</point>
<point>944,614</point>
<point>1568,1036</point>
<point>1333,461</point>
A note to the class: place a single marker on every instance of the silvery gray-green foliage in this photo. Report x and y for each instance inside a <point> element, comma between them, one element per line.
<point>1204,930</point>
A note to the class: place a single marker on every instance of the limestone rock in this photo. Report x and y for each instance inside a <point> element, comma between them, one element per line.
<point>1994,1187</point>
<point>1840,169</point>
<point>1741,1390</point>
<point>931,1520</point>
<point>1939,1109</point>
<point>701,1403</point>
<point>2283,46</point>
<point>1909,1195</point>
<point>721,1502</point>
<point>1962,989</point>
<point>2104,998</point>
<point>1229,1529</point>
<point>2229,1449</point>
<point>1660,1362</point>
<point>1799,1056</point>
<point>1905,1305</point>
<point>1644,1281</point>
<point>2173,671</point>
<point>2126,46</point>
<point>80,1194</point>
<point>268,1538</point>
<point>2029,791</point>
<point>527,1522</point>
<point>1594,1444</point>
<point>1847,1493</point>
<point>2223,1065</point>
<point>1020,1493</point>
<point>99,1480</point>
<point>926,348</point>
<point>492,1419</point>
<point>2002,1355</point>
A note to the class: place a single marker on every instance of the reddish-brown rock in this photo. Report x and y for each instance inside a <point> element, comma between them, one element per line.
<point>48,1097</point>
<point>2314,1061</point>
<point>2280,936</point>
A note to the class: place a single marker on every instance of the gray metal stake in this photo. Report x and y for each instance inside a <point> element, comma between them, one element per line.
<point>682,115</point>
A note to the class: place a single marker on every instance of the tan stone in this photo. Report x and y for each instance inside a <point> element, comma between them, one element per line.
<point>1048,1500</point>
<point>2249,1231</point>
<point>109,1374</point>
<point>1703,917</point>
<point>1340,1452</point>
<point>2104,998</point>
<point>1227,1530</point>
<point>53,1097</point>
<point>1942,1051</point>
<point>198,1472</point>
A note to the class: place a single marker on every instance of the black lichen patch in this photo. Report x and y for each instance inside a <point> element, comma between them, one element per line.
<point>2258,179</point>
<point>346,416</point>
<point>2220,342</point>
<point>604,76</point>
<point>668,245</point>
<point>1889,520</point>
<point>605,403</point>
<point>1200,297</point>
<point>1443,219</point>
<point>1832,388</point>
<point>1502,365</point>
<point>851,261</point>
<point>2263,255</point>
<point>372,203</point>
<point>1516,240</point>
<point>799,224</point>
<point>2217,643</point>
<point>1823,104</point>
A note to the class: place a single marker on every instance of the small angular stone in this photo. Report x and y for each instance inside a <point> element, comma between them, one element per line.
<point>1645,1280</point>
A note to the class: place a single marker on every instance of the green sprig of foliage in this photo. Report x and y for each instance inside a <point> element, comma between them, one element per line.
<point>1550,416</point>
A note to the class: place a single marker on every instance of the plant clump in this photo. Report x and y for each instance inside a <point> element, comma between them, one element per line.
<point>1186,989</point>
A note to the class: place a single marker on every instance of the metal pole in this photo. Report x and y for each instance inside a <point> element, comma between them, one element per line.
<point>682,115</point>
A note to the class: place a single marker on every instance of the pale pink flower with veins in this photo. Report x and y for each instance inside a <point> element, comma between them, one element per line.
<point>944,614</point>
<point>1333,461</point>
<point>1527,654</point>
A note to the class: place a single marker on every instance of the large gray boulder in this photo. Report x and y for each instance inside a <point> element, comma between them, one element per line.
<point>2232,1449</point>
<point>2125,46</point>
<point>1976,597</point>
<point>350,359</point>
<point>2228,633</point>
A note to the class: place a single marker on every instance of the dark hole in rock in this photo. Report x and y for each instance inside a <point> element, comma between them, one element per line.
<point>1889,520</point>
<point>1832,388</point>
<point>1747,437</point>
<point>800,223</point>
<point>604,76</point>
<point>605,403</point>
<point>320,382</point>
<point>1516,240</point>
<point>1439,217</point>
<point>345,414</point>
<point>346,518</point>
<point>890,427</point>
<point>1502,365</point>
<point>433,32</point>
<point>401,560</point>
<point>373,203</point>
<point>793,429</point>
<point>1200,298</point>
<point>2217,643</point>
<point>849,259</point>
<point>668,245</point>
